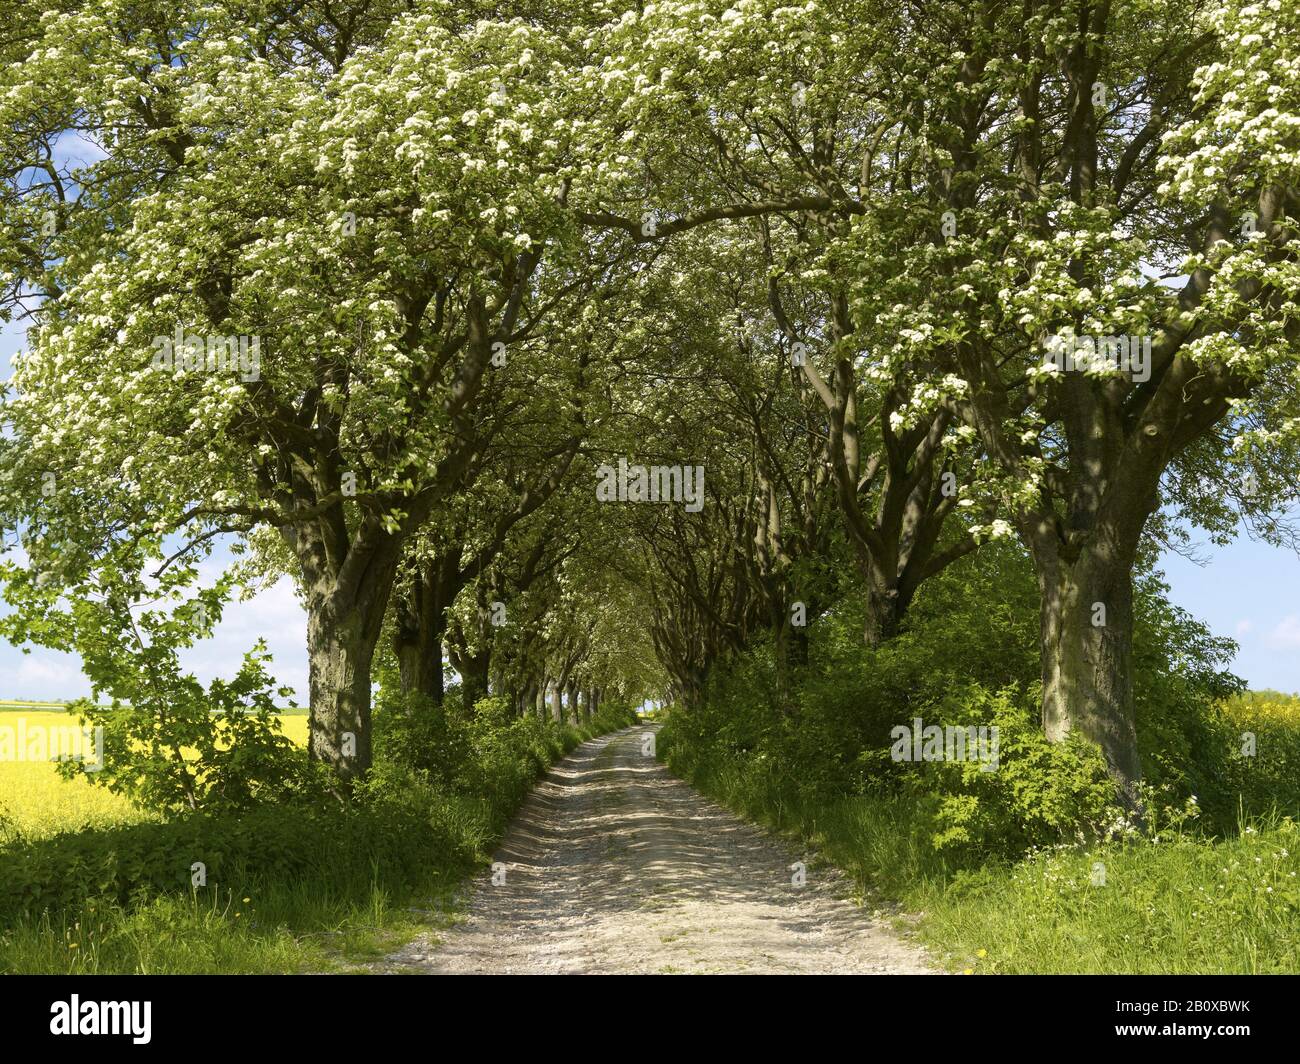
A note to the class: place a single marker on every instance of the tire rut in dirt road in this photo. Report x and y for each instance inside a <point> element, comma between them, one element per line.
<point>615,865</point>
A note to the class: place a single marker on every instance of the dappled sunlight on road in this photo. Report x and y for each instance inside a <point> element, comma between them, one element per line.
<point>615,865</point>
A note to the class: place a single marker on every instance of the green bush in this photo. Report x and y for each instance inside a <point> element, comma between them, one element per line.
<point>1039,793</point>
<point>273,843</point>
<point>968,656</point>
<point>443,788</point>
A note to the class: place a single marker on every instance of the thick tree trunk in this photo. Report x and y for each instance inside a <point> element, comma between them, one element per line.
<point>527,698</point>
<point>884,615</point>
<point>557,710</point>
<point>340,651</point>
<point>1086,642</point>
<point>417,641</point>
<point>345,613</point>
<point>791,657</point>
<point>419,658</point>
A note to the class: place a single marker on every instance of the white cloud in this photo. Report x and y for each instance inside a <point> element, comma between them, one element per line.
<point>1286,634</point>
<point>274,615</point>
<point>43,676</point>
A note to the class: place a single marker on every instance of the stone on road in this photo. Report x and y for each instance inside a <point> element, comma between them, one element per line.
<point>615,865</point>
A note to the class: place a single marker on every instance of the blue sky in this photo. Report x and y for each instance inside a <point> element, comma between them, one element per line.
<point>1246,590</point>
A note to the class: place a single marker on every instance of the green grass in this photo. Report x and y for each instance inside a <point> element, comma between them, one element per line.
<point>342,920</point>
<point>1186,904</point>
<point>1183,906</point>
<point>302,928</point>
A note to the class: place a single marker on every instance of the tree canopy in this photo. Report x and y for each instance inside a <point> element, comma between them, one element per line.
<point>573,349</point>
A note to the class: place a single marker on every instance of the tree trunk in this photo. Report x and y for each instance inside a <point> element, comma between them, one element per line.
<point>421,624</point>
<point>884,615</point>
<point>527,698</point>
<point>340,651</point>
<point>419,657</point>
<point>791,658</point>
<point>474,678</point>
<point>345,613</point>
<point>1086,642</point>
<point>557,710</point>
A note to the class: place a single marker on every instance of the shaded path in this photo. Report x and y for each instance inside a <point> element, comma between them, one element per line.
<point>615,865</point>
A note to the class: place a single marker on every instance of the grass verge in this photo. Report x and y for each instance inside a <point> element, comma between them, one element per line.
<point>345,896</point>
<point>1183,904</point>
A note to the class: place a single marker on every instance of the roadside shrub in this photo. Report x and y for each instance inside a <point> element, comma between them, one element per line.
<point>968,657</point>
<point>1038,794</point>
<point>443,787</point>
<point>386,840</point>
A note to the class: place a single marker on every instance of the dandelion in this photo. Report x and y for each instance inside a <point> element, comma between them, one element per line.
<point>981,953</point>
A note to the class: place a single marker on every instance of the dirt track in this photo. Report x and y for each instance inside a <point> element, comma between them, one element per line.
<point>615,865</point>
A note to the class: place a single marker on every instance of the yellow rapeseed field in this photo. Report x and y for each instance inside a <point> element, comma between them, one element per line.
<point>35,800</point>
<point>1265,706</point>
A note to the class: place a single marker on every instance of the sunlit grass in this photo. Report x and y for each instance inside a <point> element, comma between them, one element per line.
<point>1185,904</point>
<point>292,928</point>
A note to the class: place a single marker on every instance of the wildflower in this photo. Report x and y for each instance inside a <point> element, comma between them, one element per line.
<point>981,953</point>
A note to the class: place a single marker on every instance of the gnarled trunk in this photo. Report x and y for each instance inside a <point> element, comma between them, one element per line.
<point>885,610</point>
<point>341,640</point>
<point>1086,643</point>
<point>475,669</point>
<point>345,603</point>
<point>418,644</point>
